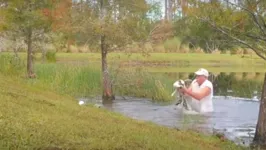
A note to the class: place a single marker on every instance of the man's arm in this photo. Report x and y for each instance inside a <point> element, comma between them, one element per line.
<point>199,95</point>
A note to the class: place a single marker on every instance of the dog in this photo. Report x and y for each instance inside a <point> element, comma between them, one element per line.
<point>181,99</point>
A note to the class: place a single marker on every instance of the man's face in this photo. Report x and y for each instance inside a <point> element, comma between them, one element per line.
<point>200,79</point>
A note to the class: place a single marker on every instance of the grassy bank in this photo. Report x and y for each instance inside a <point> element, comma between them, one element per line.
<point>36,118</point>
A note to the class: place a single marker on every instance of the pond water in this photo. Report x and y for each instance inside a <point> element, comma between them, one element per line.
<point>233,117</point>
<point>236,107</point>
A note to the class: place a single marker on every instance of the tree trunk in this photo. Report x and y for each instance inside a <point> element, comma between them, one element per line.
<point>184,7</point>
<point>260,135</point>
<point>15,48</point>
<point>107,85</point>
<point>170,10</point>
<point>43,54</point>
<point>166,10</point>
<point>30,55</point>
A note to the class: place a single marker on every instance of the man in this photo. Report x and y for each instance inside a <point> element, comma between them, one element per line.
<point>201,92</point>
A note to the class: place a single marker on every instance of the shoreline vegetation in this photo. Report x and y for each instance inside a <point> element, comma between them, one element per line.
<point>79,75</point>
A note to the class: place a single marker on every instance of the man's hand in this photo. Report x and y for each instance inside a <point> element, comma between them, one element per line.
<point>182,90</point>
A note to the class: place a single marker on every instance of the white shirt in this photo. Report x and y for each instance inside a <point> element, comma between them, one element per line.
<point>205,104</point>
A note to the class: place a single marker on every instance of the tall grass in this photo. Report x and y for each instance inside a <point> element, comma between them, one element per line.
<point>84,80</point>
<point>78,81</point>
<point>140,83</point>
<point>51,56</point>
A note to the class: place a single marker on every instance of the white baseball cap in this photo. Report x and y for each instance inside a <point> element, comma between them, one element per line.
<point>202,71</point>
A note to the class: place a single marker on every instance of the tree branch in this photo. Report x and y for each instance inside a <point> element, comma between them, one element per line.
<point>235,38</point>
<point>255,19</point>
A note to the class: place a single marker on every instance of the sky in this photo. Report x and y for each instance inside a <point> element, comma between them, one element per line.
<point>162,4</point>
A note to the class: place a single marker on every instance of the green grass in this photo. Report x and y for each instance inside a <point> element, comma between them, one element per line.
<point>35,118</point>
<point>190,62</point>
<point>74,80</point>
<point>214,70</point>
<point>175,62</point>
<point>178,60</point>
<point>192,57</point>
<point>140,83</point>
<point>83,79</point>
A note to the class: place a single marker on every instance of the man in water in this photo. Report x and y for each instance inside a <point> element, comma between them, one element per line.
<point>200,92</point>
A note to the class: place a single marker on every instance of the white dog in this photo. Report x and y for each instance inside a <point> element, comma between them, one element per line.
<point>181,99</point>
